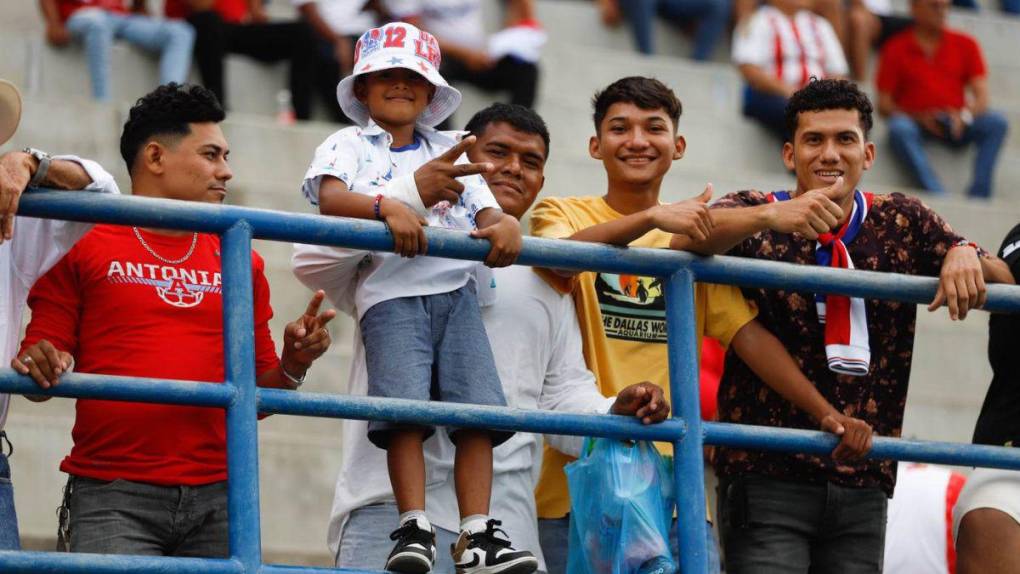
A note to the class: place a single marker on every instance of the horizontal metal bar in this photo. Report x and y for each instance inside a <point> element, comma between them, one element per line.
<point>361,234</point>
<point>18,562</point>
<point>815,442</point>
<point>114,388</point>
<point>464,415</point>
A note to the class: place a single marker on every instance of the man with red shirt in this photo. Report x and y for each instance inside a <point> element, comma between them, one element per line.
<point>151,478</point>
<point>923,76</point>
<point>96,23</point>
<point>242,27</point>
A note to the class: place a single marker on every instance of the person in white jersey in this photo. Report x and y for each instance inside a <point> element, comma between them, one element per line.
<point>919,534</point>
<point>28,248</point>
<point>781,47</point>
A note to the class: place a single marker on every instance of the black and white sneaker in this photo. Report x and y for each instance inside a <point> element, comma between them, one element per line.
<point>484,553</point>
<point>415,551</point>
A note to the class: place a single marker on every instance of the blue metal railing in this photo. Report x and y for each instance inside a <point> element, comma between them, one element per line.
<point>243,400</point>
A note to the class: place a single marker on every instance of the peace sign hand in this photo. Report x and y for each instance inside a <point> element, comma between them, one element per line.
<point>437,179</point>
<point>307,338</point>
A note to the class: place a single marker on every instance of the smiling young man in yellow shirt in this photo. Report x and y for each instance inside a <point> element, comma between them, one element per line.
<point>623,317</point>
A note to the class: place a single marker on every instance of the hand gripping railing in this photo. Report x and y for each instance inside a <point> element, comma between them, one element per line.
<point>243,401</point>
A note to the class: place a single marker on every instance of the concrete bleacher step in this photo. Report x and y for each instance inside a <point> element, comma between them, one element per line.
<point>578,24</point>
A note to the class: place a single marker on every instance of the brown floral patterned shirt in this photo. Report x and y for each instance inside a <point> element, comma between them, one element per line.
<point>900,235</point>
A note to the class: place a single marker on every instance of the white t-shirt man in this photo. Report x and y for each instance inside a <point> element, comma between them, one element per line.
<point>792,49</point>
<point>38,244</point>
<point>536,343</point>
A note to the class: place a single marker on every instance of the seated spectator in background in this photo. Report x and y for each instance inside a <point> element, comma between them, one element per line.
<point>527,318</point>
<point>924,76</point>
<point>986,524</point>
<point>151,478</point>
<point>97,23</point>
<point>469,55</point>
<point>29,246</point>
<point>831,10</point>
<point>242,27</point>
<point>623,317</point>
<point>778,50</point>
<point>919,533</point>
<point>710,18</point>
<point>871,24</point>
<point>807,513</point>
<point>337,25</point>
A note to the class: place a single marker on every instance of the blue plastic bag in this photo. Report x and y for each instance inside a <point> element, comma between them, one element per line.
<point>621,508</point>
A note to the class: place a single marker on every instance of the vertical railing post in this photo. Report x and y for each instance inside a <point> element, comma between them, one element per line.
<point>242,415</point>
<point>688,464</point>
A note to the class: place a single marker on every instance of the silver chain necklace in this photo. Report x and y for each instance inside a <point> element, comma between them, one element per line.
<point>194,241</point>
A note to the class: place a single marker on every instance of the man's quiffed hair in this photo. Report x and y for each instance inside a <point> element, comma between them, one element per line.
<point>645,93</point>
<point>517,116</point>
<point>829,94</point>
<point>167,111</point>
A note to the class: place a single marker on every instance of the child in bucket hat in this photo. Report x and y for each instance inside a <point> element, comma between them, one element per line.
<point>419,317</point>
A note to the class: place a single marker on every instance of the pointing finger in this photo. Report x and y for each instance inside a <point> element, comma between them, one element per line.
<point>313,305</point>
<point>324,318</point>
<point>458,149</point>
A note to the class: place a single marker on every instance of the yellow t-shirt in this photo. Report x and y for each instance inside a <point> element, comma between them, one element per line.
<point>623,323</point>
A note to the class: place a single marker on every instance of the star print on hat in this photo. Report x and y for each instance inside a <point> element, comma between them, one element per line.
<point>398,45</point>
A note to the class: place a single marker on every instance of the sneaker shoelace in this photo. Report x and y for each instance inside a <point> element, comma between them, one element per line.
<point>488,536</point>
<point>409,533</point>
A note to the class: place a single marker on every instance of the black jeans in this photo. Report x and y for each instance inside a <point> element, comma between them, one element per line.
<point>125,517</point>
<point>271,42</point>
<point>771,526</point>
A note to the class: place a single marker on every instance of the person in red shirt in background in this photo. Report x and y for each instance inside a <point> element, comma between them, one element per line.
<point>242,27</point>
<point>151,478</point>
<point>923,76</point>
<point>96,23</point>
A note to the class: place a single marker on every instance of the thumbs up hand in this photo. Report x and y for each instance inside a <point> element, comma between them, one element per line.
<point>810,213</point>
<point>690,217</point>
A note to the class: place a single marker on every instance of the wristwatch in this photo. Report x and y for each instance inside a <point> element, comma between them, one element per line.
<point>44,165</point>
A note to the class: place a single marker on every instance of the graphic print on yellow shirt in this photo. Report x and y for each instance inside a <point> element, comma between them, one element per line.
<point>633,308</point>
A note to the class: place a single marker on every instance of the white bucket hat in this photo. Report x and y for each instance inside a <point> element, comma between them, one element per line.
<point>10,110</point>
<point>398,45</point>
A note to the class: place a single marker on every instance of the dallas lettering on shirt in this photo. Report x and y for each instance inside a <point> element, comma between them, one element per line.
<point>633,308</point>
<point>176,286</point>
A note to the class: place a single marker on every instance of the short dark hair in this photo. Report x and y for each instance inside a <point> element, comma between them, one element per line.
<point>167,111</point>
<point>645,93</point>
<point>517,116</point>
<point>828,94</point>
